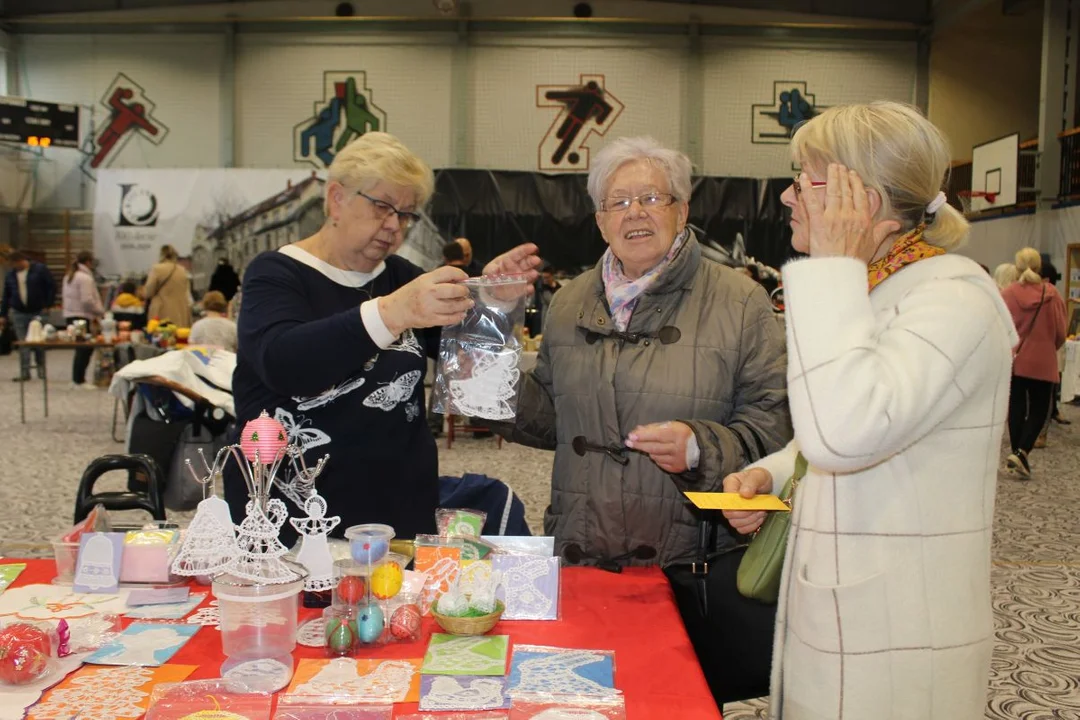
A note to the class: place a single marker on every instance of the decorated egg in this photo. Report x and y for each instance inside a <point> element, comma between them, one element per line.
<point>405,622</point>
<point>350,589</point>
<point>341,633</point>
<point>386,580</point>
<point>370,623</point>
<point>266,436</point>
<point>24,653</point>
<point>369,549</point>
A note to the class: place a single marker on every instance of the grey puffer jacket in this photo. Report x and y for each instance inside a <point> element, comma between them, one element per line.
<point>725,376</point>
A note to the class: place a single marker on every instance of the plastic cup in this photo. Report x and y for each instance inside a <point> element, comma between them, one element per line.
<point>369,543</point>
<point>257,621</point>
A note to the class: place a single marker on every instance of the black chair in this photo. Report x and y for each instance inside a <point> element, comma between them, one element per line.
<point>152,500</point>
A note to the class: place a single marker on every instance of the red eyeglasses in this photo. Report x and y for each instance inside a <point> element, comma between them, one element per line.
<point>813,184</point>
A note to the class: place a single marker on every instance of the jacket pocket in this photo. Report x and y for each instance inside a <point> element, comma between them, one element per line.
<point>836,650</point>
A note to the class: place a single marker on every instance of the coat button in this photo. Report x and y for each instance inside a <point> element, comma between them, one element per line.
<point>646,343</point>
<point>599,321</point>
<point>658,309</point>
<point>580,315</point>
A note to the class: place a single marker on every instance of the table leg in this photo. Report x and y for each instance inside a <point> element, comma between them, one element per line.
<point>22,400</point>
<point>45,381</point>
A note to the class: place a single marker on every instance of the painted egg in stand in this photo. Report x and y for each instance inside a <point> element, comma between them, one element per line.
<point>386,580</point>
<point>350,589</point>
<point>341,633</point>
<point>24,653</point>
<point>368,549</point>
<point>405,622</point>
<point>370,623</point>
<point>266,436</point>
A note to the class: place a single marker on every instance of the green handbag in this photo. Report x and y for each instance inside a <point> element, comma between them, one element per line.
<point>759,570</point>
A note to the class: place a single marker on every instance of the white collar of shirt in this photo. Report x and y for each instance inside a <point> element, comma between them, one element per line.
<point>20,276</point>
<point>348,278</point>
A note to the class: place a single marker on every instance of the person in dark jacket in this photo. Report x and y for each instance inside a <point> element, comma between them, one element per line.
<point>225,280</point>
<point>29,290</point>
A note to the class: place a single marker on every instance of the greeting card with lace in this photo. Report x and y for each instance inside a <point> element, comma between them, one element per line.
<point>561,671</point>
<point>106,693</point>
<point>354,680</point>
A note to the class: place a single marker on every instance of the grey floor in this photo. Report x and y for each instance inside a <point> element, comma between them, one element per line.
<point>1036,594</point>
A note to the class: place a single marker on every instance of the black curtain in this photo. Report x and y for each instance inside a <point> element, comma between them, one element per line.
<point>497,210</point>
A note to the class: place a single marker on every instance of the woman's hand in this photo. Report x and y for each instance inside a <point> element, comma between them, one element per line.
<point>747,483</point>
<point>665,443</point>
<point>522,259</point>
<point>434,299</point>
<point>843,226</point>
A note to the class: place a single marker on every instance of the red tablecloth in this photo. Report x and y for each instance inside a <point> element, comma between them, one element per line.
<point>632,613</point>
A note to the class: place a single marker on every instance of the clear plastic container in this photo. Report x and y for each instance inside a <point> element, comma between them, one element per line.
<point>257,621</point>
<point>369,543</point>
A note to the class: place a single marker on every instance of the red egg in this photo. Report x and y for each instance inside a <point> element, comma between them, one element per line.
<point>265,435</point>
<point>405,622</point>
<point>24,653</point>
<point>350,589</point>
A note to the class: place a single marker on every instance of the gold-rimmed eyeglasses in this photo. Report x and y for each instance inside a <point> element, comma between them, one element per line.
<point>648,200</point>
<point>813,184</point>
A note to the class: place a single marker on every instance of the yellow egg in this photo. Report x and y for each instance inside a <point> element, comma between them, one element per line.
<point>386,580</point>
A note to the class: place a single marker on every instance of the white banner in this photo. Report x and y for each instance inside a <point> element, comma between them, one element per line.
<point>138,211</point>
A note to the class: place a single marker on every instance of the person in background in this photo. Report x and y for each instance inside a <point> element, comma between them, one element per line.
<point>1051,275</point>
<point>1039,314</point>
<point>1005,275</point>
<point>546,287</point>
<point>214,327</point>
<point>898,377</point>
<point>82,301</point>
<point>168,289</point>
<point>29,290</point>
<point>454,256</point>
<point>472,268</point>
<point>225,280</point>
<point>659,372</point>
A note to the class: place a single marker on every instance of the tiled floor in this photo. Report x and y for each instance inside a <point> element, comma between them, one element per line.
<point>1037,533</point>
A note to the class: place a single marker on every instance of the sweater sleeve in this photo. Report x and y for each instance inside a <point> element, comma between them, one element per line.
<point>293,352</point>
<point>861,391</point>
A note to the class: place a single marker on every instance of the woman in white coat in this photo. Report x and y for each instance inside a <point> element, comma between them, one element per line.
<point>898,372</point>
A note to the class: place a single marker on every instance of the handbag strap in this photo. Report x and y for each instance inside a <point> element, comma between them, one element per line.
<point>1042,299</point>
<point>152,295</point>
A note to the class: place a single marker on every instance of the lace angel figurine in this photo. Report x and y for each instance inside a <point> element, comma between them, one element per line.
<point>314,549</point>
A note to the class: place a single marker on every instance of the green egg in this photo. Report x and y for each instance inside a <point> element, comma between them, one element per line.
<point>340,635</point>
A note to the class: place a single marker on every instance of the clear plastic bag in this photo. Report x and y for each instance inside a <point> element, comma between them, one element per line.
<point>459,522</point>
<point>207,698</point>
<point>478,372</point>
<point>331,707</point>
<point>566,707</point>
<point>464,715</point>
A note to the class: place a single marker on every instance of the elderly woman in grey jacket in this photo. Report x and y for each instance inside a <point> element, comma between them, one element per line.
<point>659,372</point>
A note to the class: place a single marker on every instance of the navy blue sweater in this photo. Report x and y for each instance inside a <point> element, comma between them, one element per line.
<point>306,358</point>
<point>40,291</point>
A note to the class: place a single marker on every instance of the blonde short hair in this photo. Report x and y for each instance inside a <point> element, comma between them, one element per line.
<point>168,252</point>
<point>1005,275</point>
<point>214,301</point>
<point>1029,264</point>
<point>624,150</point>
<point>897,152</point>
<point>379,156</point>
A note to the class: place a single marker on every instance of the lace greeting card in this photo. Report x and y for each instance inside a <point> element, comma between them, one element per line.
<point>569,708</point>
<point>449,692</point>
<point>167,611</point>
<point>441,564</point>
<point>393,680</point>
<point>564,671</point>
<point>105,693</point>
<point>144,644</point>
<point>466,655</point>
<point>530,586</point>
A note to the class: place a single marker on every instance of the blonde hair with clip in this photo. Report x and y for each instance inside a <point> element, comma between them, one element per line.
<point>897,152</point>
<point>379,156</point>
<point>1029,263</point>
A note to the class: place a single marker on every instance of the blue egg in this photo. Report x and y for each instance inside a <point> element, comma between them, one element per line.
<point>370,623</point>
<point>368,549</point>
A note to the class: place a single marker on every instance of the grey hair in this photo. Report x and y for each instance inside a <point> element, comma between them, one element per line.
<point>624,150</point>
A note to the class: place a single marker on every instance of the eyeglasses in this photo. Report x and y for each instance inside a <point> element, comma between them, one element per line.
<point>615,452</point>
<point>383,210</point>
<point>813,184</point>
<point>649,200</point>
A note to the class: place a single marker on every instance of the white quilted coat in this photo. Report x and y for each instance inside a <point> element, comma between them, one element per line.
<point>899,402</point>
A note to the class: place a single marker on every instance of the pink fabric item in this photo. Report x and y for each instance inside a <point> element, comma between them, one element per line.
<point>1037,358</point>
<point>622,292</point>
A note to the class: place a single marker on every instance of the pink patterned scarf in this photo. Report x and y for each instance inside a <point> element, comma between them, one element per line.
<point>622,292</point>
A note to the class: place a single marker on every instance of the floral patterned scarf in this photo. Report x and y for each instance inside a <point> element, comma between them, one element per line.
<point>622,292</point>
<point>909,249</point>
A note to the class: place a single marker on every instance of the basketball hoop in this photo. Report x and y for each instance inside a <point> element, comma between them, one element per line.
<point>967,195</point>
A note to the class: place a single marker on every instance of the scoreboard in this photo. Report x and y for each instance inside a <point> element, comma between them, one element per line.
<point>37,123</point>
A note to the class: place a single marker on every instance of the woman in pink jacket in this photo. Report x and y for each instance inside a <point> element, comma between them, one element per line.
<point>82,301</point>
<point>1039,314</point>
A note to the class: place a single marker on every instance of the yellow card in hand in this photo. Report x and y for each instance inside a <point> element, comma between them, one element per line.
<point>735,501</point>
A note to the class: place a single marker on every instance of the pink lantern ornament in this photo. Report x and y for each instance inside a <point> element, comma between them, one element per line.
<point>266,436</point>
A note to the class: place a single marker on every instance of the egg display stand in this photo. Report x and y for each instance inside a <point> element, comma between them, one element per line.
<point>372,579</point>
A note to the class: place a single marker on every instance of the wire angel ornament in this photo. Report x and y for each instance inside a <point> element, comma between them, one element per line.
<point>314,551</point>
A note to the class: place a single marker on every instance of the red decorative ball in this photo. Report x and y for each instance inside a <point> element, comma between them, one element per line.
<point>350,589</point>
<point>405,622</point>
<point>265,435</point>
<point>24,653</point>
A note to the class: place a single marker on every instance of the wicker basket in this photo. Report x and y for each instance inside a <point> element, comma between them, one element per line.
<point>470,625</point>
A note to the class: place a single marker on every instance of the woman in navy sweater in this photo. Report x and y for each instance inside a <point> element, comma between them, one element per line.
<point>334,337</point>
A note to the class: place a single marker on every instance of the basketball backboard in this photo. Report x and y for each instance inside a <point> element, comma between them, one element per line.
<point>993,170</point>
